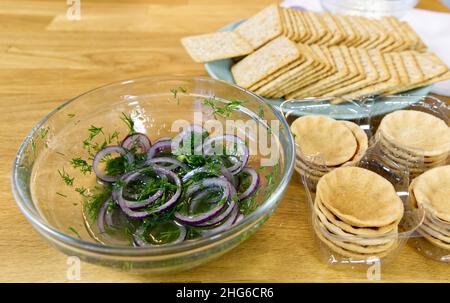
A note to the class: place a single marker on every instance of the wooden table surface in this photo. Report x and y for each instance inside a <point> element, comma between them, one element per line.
<point>46,59</point>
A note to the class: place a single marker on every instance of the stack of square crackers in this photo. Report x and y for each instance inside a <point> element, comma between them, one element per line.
<point>290,53</point>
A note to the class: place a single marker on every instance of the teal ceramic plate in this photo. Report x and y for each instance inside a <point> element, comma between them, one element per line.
<point>221,69</point>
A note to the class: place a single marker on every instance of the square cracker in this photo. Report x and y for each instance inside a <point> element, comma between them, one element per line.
<point>373,35</point>
<point>370,73</point>
<point>265,61</point>
<point>343,73</point>
<point>415,74</point>
<point>307,63</point>
<point>399,42</point>
<point>387,77</point>
<point>262,27</point>
<point>323,34</point>
<point>334,29</point>
<point>288,28</point>
<point>215,46</point>
<point>356,74</point>
<point>419,44</point>
<point>311,65</point>
<point>299,23</point>
<point>360,30</point>
<point>278,73</point>
<point>313,34</point>
<point>321,68</point>
<point>350,35</point>
<point>433,69</point>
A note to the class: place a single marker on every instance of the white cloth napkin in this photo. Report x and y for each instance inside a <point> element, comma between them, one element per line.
<point>433,28</point>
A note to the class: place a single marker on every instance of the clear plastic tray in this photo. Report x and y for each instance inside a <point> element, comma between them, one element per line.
<point>376,160</point>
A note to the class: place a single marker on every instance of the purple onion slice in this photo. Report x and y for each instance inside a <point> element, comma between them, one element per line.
<point>106,151</point>
<point>198,198</point>
<point>163,139</point>
<point>101,216</point>
<point>140,241</point>
<point>206,216</point>
<point>174,163</point>
<point>222,216</point>
<point>225,224</point>
<point>158,147</point>
<point>135,205</point>
<point>239,218</point>
<point>118,195</point>
<point>137,140</point>
<point>240,146</point>
<point>253,185</point>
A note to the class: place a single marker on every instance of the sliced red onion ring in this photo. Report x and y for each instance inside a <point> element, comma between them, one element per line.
<point>199,198</point>
<point>158,147</point>
<point>201,185</point>
<point>196,171</point>
<point>185,137</point>
<point>253,185</point>
<point>175,163</point>
<point>222,216</point>
<point>101,216</point>
<point>115,218</point>
<point>138,237</point>
<point>106,151</point>
<point>118,195</point>
<point>239,218</point>
<point>236,168</point>
<point>163,139</point>
<point>139,139</point>
<point>135,205</point>
<point>225,224</point>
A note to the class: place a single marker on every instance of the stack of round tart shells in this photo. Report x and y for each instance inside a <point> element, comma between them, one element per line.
<point>357,213</point>
<point>431,191</point>
<point>323,144</point>
<point>415,139</point>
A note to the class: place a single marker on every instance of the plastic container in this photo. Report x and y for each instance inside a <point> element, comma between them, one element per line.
<point>375,159</point>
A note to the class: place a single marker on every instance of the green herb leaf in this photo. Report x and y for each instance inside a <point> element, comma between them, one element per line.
<point>81,164</point>
<point>128,122</point>
<point>65,177</point>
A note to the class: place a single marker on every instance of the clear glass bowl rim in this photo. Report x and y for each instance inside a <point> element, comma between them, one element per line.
<point>39,224</point>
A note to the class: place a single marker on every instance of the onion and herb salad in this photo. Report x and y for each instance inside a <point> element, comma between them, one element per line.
<point>171,190</point>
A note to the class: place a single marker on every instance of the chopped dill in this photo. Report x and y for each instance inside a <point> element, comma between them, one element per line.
<point>83,191</point>
<point>94,131</point>
<point>44,131</point>
<point>223,111</point>
<point>70,115</point>
<point>95,201</point>
<point>174,92</point>
<point>60,153</point>
<point>250,204</point>
<point>261,111</point>
<point>33,146</point>
<point>62,195</point>
<point>73,230</point>
<point>270,178</point>
<point>128,122</point>
<point>82,165</point>
<point>65,177</point>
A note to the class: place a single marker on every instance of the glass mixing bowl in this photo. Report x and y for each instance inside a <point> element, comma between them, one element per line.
<point>55,209</point>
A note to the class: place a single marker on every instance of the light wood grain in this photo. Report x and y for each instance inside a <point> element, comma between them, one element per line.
<point>46,59</point>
